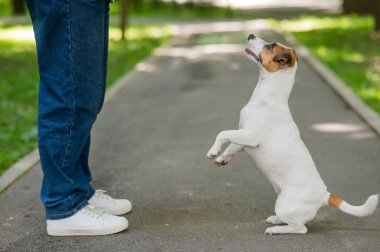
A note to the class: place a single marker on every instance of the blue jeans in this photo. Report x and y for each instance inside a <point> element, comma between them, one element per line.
<point>72,49</point>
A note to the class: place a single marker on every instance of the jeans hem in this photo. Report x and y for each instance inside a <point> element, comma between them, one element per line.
<point>91,193</point>
<point>69,213</point>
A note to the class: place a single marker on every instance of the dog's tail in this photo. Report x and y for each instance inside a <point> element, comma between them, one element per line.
<point>366,209</point>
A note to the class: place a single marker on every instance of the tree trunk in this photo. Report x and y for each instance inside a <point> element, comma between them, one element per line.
<point>123,17</point>
<point>376,15</point>
<point>364,7</point>
<point>377,23</point>
<point>359,7</point>
<point>18,7</point>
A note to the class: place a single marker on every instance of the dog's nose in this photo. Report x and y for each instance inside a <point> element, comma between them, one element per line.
<point>251,36</point>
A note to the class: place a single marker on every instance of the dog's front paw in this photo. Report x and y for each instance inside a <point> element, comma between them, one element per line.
<point>220,161</point>
<point>273,220</point>
<point>212,154</point>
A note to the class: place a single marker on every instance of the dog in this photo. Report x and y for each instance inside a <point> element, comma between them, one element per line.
<point>268,133</point>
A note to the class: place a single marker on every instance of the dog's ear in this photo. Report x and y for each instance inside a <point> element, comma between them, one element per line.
<point>284,57</point>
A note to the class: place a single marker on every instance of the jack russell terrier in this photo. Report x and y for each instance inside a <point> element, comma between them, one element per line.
<point>269,135</point>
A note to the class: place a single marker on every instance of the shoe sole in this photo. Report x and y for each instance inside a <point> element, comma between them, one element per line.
<point>119,211</point>
<point>59,231</point>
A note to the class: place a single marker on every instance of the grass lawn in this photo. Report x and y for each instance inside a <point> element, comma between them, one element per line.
<point>19,80</point>
<point>345,45</point>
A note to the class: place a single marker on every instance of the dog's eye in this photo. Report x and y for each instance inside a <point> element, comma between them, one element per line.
<point>270,47</point>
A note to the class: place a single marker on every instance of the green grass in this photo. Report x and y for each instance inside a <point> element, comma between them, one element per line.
<point>345,45</point>
<point>5,8</point>
<point>220,38</point>
<point>19,80</point>
<point>18,95</point>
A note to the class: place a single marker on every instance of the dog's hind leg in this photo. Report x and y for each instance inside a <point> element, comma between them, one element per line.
<point>240,137</point>
<point>287,229</point>
<point>294,212</point>
<point>230,151</point>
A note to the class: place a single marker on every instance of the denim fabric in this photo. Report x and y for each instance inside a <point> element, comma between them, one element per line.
<point>72,47</point>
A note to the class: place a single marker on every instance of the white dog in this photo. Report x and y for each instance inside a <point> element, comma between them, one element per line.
<point>270,136</point>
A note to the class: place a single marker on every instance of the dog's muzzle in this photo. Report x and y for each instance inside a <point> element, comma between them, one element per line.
<point>258,58</point>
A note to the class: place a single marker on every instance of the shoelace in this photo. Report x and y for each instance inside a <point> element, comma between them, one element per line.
<point>102,194</point>
<point>92,211</point>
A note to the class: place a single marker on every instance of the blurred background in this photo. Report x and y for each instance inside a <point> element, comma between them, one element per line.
<point>344,34</point>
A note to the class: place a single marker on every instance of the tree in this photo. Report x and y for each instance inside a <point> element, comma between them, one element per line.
<point>18,7</point>
<point>123,17</point>
<point>364,7</point>
<point>376,13</point>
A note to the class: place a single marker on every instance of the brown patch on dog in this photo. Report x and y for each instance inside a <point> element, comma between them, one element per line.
<point>277,56</point>
<point>334,201</point>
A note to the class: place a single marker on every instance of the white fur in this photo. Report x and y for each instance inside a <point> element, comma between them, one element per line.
<point>366,209</point>
<point>269,135</point>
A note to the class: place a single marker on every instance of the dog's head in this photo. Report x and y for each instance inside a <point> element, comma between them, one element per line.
<point>271,56</point>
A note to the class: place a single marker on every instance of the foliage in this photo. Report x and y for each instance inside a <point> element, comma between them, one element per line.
<point>344,44</point>
<point>5,8</point>
<point>19,80</point>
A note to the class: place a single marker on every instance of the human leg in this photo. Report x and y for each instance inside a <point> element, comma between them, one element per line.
<point>84,158</point>
<point>70,46</point>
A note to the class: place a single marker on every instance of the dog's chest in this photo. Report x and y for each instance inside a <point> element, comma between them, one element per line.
<point>251,113</point>
<point>245,113</point>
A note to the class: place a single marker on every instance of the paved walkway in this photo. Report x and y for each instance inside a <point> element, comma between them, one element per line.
<point>149,144</point>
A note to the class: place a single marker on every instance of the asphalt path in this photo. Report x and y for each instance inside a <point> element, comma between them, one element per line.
<point>149,145</point>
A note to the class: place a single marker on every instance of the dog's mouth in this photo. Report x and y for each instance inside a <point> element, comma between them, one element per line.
<point>258,58</point>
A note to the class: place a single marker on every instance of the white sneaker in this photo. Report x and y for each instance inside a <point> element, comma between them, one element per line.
<point>88,221</point>
<point>114,206</point>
